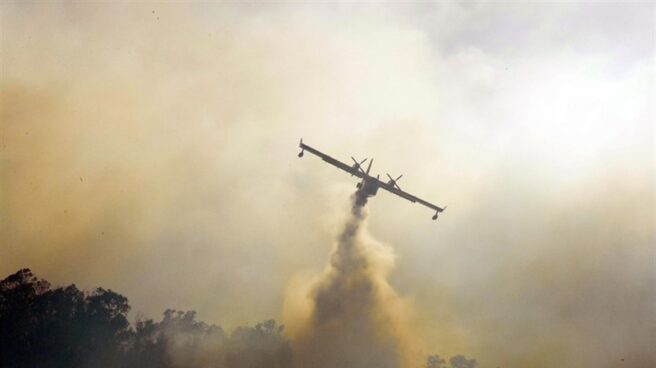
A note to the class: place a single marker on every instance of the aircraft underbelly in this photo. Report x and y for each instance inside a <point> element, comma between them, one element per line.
<point>370,188</point>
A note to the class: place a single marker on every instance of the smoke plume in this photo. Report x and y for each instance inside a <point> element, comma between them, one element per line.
<point>150,148</point>
<point>351,322</point>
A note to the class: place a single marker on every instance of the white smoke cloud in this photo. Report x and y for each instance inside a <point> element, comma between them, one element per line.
<point>156,143</point>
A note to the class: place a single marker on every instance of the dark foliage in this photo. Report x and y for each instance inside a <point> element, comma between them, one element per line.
<point>267,339</point>
<point>62,327</point>
<point>458,361</point>
<point>48,327</point>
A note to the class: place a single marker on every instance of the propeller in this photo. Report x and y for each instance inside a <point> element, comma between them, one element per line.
<point>393,181</point>
<point>358,164</point>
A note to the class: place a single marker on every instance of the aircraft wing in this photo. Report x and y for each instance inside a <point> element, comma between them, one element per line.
<point>349,169</point>
<point>408,196</point>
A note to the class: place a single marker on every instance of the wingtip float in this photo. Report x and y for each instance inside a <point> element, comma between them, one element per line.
<point>369,185</point>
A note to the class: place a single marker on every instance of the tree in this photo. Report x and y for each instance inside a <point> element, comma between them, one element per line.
<point>434,361</point>
<point>148,347</point>
<point>261,346</point>
<point>459,361</point>
<point>62,327</point>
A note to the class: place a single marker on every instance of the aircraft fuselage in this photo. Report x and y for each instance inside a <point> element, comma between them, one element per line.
<point>368,186</point>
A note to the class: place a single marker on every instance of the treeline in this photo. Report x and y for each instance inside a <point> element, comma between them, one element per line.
<point>41,326</point>
<point>47,327</point>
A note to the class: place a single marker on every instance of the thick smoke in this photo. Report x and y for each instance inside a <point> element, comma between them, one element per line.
<point>148,148</point>
<point>351,323</point>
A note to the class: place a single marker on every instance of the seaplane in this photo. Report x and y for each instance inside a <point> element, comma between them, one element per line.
<point>369,185</point>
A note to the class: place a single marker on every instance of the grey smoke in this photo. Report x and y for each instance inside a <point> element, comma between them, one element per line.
<point>348,326</point>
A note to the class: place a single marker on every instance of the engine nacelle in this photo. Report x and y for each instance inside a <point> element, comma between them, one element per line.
<point>435,217</point>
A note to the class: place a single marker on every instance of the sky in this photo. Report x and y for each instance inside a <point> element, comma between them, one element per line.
<point>151,149</point>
